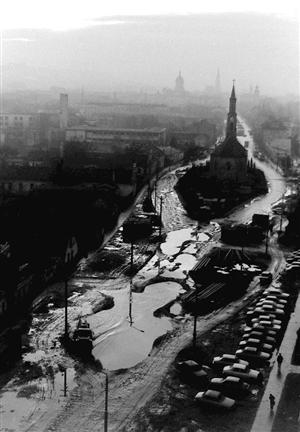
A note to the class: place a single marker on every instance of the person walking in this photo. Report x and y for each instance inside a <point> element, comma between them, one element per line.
<point>272,401</point>
<point>279,360</point>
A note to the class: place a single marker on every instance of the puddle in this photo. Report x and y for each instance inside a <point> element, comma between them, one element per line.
<point>174,239</point>
<point>121,345</point>
<point>176,309</point>
<point>179,268</point>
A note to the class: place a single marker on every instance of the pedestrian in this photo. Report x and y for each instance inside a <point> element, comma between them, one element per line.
<point>272,401</point>
<point>279,360</point>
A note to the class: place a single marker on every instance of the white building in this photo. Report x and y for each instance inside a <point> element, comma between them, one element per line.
<point>107,138</point>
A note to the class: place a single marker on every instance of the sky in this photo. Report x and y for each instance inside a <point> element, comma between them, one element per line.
<point>143,44</point>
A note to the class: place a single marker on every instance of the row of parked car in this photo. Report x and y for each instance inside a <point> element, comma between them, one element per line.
<point>236,372</point>
<point>293,264</point>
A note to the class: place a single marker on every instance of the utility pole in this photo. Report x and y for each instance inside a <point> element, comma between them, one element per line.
<point>65,382</point>
<point>106,402</point>
<point>281,211</point>
<point>130,303</point>
<point>130,286</point>
<point>66,309</point>
<point>160,212</point>
<point>195,331</point>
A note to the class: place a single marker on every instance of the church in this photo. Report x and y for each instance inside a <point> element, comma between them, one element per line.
<point>229,159</point>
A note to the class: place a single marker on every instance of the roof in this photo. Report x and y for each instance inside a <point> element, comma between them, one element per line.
<point>230,147</point>
<point>154,129</point>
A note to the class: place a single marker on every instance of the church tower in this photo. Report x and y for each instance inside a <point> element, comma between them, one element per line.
<point>229,159</point>
<point>231,116</point>
<point>179,84</point>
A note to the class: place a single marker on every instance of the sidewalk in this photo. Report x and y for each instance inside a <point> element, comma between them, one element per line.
<point>264,420</point>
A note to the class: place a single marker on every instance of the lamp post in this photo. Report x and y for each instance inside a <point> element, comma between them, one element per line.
<point>195,331</point>
<point>66,308</point>
<point>106,402</point>
<point>160,215</point>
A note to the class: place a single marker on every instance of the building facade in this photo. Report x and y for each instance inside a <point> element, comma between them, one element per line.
<point>105,139</point>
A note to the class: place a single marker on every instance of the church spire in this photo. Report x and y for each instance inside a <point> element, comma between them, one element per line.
<point>231,116</point>
<point>218,82</point>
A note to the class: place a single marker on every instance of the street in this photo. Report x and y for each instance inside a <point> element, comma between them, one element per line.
<point>45,406</point>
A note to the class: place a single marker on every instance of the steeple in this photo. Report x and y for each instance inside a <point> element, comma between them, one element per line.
<point>218,82</point>
<point>179,83</point>
<point>231,116</point>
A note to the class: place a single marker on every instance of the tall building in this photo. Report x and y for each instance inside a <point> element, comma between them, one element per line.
<point>63,111</point>
<point>218,82</point>
<point>231,116</point>
<point>229,160</point>
<point>179,84</point>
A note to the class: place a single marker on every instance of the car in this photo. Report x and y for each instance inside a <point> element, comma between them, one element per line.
<point>215,398</point>
<point>261,336</point>
<point>276,292</point>
<point>268,331</point>
<point>278,312</point>
<point>226,359</point>
<point>192,371</point>
<point>265,278</point>
<point>230,386</point>
<point>244,372</point>
<point>266,321</point>
<point>254,356</point>
<point>256,343</point>
<point>187,366</point>
<point>274,302</point>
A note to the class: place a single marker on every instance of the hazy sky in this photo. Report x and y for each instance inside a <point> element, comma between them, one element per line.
<point>104,45</point>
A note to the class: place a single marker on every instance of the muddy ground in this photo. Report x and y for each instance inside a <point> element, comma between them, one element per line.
<point>174,409</point>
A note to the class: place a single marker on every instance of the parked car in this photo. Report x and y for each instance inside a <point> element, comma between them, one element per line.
<point>215,398</point>
<point>265,278</point>
<point>254,356</point>
<point>244,372</point>
<point>276,311</point>
<point>192,371</point>
<point>267,322</point>
<point>277,299</point>
<point>274,302</point>
<point>267,331</point>
<point>263,337</point>
<point>230,386</point>
<point>276,292</point>
<point>256,343</point>
<point>187,366</point>
<point>226,359</point>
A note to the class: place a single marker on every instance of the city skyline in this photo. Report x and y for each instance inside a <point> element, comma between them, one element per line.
<point>146,52</point>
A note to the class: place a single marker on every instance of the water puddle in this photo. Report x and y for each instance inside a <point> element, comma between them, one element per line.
<point>121,345</point>
<point>176,309</point>
<point>180,267</point>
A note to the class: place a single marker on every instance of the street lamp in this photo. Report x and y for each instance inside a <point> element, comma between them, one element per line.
<point>106,401</point>
<point>160,215</point>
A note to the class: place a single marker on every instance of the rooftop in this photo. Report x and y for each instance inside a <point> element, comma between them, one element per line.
<point>103,129</point>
